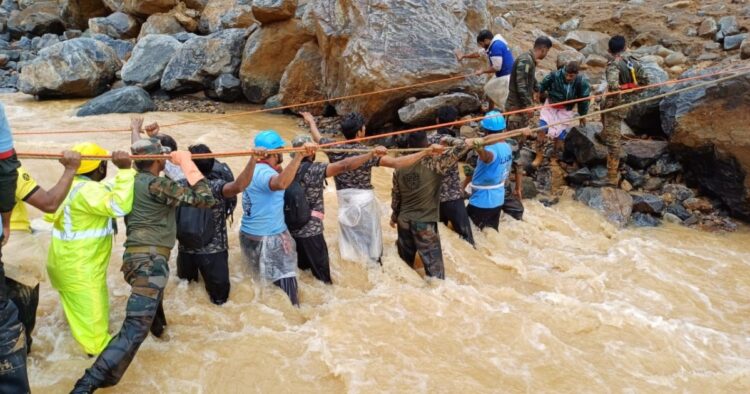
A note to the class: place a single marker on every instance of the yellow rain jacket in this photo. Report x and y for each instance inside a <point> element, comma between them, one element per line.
<point>80,251</point>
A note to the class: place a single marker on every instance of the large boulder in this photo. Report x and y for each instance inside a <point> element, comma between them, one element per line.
<point>226,14</point>
<point>161,24</point>
<point>114,5</point>
<point>579,39</point>
<point>82,67</point>
<point>269,11</point>
<point>36,20</point>
<point>130,99</point>
<point>708,134</point>
<point>264,60</point>
<point>117,25</point>
<point>645,118</point>
<point>402,43</point>
<point>226,87</point>
<point>78,12</point>
<point>122,48</point>
<point>199,61</point>
<point>149,59</point>
<point>583,144</point>
<point>615,204</point>
<point>148,7</point>
<point>647,203</point>
<point>303,79</point>
<point>424,111</point>
<point>568,56</point>
<point>643,153</point>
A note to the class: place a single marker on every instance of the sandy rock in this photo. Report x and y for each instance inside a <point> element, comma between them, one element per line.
<point>596,61</point>
<point>149,59</point>
<point>570,24</point>
<point>161,24</point>
<point>615,204</point>
<point>675,59</point>
<point>187,17</point>
<point>708,57</point>
<point>355,63</point>
<point>678,4</point>
<point>745,49</point>
<point>679,192</point>
<point>226,87</point>
<point>566,57</point>
<point>36,20</point>
<point>117,25</point>
<point>424,111</point>
<point>303,79</point>
<point>114,5</point>
<point>672,218</point>
<point>698,204</point>
<point>707,134</point>
<point>226,14</point>
<point>264,60</point>
<point>708,28</point>
<point>579,39</point>
<point>81,67</point>
<point>199,61</point>
<point>198,5</point>
<point>148,7</point>
<point>130,99</point>
<point>269,11</point>
<point>78,12</point>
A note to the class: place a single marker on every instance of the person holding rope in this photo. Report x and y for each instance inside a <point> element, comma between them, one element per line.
<point>623,72</point>
<point>524,88</point>
<point>452,208</point>
<point>415,200</point>
<point>361,237</point>
<point>562,85</point>
<point>82,234</point>
<point>151,235</point>
<point>501,63</point>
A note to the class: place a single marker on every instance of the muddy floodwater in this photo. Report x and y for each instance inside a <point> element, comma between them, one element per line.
<point>559,302</point>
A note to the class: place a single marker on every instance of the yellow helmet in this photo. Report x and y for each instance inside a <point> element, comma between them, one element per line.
<point>89,149</point>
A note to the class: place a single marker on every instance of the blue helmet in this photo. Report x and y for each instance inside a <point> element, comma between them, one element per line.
<point>494,122</point>
<point>269,139</point>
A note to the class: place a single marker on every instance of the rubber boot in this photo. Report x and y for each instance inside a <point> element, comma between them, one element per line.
<point>557,177</point>
<point>613,171</point>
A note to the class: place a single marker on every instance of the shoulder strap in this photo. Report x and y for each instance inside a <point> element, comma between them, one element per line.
<point>303,169</point>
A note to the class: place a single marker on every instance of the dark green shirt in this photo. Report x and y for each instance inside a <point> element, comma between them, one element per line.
<point>152,221</point>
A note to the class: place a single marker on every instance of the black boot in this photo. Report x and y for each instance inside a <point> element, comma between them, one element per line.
<point>84,386</point>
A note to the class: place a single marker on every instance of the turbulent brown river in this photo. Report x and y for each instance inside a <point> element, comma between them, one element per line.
<point>560,302</point>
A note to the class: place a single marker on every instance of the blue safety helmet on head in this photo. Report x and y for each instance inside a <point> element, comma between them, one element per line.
<point>269,139</point>
<point>494,122</point>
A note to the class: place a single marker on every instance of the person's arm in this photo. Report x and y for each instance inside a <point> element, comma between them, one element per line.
<point>395,200</point>
<point>136,124</point>
<point>519,181</point>
<point>402,161</point>
<point>442,159</point>
<point>117,201</point>
<point>471,55</point>
<point>314,132</point>
<point>546,84</point>
<point>171,193</point>
<point>483,154</point>
<point>348,164</point>
<point>48,201</point>
<point>286,177</point>
<point>237,186</point>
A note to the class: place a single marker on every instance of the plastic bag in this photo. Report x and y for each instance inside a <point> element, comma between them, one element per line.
<point>272,257</point>
<point>360,236</point>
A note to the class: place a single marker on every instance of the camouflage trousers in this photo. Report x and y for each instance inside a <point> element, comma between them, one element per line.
<point>422,238</point>
<point>147,274</point>
<point>611,134</point>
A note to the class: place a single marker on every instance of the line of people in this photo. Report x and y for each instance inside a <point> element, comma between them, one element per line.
<point>282,222</point>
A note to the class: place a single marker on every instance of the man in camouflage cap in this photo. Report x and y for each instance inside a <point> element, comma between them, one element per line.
<point>151,235</point>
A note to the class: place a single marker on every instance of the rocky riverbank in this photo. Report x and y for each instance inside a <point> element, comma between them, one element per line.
<point>194,55</point>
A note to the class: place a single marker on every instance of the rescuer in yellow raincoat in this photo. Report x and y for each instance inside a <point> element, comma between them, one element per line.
<point>83,227</point>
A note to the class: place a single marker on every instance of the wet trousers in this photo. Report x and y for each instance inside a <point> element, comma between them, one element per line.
<point>454,213</point>
<point>13,375</point>
<point>147,274</point>
<point>483,217</point>
<point>312,254</point>
<point>26,299</point>
<point>252,249</point>
<point>513,206</point>
<point>213,267</point>
<point>422,238</point>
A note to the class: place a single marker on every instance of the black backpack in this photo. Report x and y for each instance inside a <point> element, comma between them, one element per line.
<point>297,211</point>
<point>223,172</point>
<point>195,227</point>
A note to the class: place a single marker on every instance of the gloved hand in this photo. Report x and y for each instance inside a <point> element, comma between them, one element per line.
<point>184,160</point>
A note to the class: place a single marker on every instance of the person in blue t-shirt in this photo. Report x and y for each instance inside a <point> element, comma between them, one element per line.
<point>488,181</point>
<point>264,237</point>
<point>500,59</point>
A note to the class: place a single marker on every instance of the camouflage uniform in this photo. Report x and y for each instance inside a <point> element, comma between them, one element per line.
<point>416,205</point>
<point>619,77</point>
<point>523,85</point>
<point>151,234</point>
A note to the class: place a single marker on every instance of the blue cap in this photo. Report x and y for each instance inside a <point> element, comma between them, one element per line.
<point>269,139</point>
<point>493,122</point>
